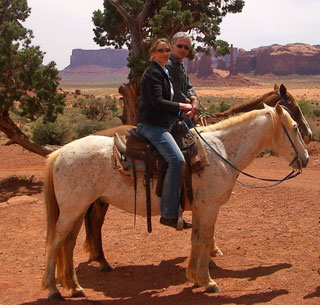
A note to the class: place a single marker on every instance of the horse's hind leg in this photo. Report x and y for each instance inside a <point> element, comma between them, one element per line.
<point>67,269</point>
<point>61,231</point>
<point>94,219</point>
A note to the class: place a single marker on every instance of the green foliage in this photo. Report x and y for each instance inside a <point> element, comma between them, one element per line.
<point>50,133</point>
<point>213,108</point>
<point>72,125</point>
<point>23,78</point>
<point>99,109</point>
<point>316,112</point>
<point>134,23</point>
<point>305,107</point>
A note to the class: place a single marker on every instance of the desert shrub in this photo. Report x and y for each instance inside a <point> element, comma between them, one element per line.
<point>88,127</point>
<point>98,109</point>
<point>305,107</point>
<point>316,112</point>
<point>50,133</point>
<point>224,106</point>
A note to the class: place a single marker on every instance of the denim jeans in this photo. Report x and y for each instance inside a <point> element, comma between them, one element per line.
<point>163,141</point>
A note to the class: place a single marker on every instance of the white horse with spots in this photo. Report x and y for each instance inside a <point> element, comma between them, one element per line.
<point>82,171</point>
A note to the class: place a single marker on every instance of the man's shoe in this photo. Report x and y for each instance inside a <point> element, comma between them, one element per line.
<point>170,222</point>
<point>187,225</point>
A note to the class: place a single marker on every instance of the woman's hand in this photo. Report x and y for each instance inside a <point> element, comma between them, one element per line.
<point>187,110</point>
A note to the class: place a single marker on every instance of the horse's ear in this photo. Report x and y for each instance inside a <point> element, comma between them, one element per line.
<point>279,109</point>
<point>283,90</point>
<point>267,106</point>
<point>276,87</point>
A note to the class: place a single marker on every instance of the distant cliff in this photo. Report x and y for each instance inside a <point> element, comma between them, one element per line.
<point>110,58</point>
<point>296,58</point>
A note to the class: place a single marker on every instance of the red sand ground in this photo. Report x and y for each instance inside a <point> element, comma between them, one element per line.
<point>270,240</point>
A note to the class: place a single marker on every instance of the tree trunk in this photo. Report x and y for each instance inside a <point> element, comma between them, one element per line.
<point>130,93</point>
<point>16,135</point>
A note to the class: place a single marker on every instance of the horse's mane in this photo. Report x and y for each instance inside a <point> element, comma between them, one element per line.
<point>234,120</point>
<point>242,107</point>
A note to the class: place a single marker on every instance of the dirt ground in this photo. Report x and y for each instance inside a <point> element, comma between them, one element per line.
<point>270,240</point>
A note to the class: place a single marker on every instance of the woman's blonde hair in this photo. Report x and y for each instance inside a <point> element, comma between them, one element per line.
<point>156,42</point>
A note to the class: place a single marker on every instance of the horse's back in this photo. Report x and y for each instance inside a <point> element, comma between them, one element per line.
<point>82,168</point>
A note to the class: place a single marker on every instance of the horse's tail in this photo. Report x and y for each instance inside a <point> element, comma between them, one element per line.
<point>50,197</point>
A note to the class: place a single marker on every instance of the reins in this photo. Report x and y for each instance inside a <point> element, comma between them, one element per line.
<point>291,175</point>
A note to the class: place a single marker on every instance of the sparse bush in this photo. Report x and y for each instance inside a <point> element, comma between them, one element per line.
<point>316,113</point>
<point>305,107</point>
<point>98,109</point>
<point>88,127</point>
<point>50,133</point>
<point>224,107</point>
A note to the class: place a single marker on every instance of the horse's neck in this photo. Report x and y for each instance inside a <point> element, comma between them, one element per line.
<point>244,141</point>
<point>269,99</point>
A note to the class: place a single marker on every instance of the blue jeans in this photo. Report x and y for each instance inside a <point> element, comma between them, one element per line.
<point>163,141</point>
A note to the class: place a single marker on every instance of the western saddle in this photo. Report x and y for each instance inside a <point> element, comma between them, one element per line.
<point>135,147</point>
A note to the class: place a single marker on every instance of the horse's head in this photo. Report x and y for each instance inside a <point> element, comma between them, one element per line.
<point>287,139</point>
<point>287,100</point>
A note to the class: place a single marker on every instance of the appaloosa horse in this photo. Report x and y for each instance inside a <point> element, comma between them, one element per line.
<point>95,216</point>
<point>82,171</point>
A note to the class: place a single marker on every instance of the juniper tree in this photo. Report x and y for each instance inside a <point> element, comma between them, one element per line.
<point>27,87</point>
<point>134,23</point>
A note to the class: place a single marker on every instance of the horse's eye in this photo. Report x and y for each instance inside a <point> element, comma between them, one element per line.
<point>295,128</point>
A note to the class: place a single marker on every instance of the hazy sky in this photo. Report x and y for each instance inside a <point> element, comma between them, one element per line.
<point>62,25</point>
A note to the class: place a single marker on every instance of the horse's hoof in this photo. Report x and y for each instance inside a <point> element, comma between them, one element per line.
<point>219,253</point>
<point>212,264</point>
<point>78,294</point>
<point>55,297</point>
<point>105,267</point>
<point>213,289</point>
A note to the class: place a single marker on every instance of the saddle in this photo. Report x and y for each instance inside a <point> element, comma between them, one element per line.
<point>135,149</point>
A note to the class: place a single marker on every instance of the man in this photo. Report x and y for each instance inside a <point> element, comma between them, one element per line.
<point>183,89</point>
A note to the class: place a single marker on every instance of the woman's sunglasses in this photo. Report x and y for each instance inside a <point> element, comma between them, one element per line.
<point>180,46</point>
<point>167,50</point>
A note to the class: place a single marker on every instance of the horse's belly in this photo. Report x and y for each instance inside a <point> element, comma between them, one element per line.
<point>121,194</point>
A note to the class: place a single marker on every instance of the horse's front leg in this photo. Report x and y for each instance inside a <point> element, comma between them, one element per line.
<point>193,259</point>
<point>206,224</point>
<point>215,250</point>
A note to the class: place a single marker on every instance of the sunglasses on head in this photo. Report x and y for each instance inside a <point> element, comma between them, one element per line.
<point>180,46</point>
<point>167,50</point>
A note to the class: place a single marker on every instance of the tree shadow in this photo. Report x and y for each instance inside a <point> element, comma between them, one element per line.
<point>314,294</point>
<point>18,186</point>
<point>141,284</point>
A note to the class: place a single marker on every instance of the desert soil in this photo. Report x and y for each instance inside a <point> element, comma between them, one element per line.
<point>269,237</point>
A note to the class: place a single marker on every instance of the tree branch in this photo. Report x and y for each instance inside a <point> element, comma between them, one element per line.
<point>120,9</point>
<point>144,13</point>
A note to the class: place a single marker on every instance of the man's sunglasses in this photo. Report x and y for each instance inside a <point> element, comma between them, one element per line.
<point>167,50</point>
<point>180,46</point>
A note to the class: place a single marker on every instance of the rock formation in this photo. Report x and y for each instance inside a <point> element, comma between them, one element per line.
<point>110,58</point>
<point>296,58</point>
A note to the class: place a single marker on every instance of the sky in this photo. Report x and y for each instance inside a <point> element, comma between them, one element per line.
<point>62,25</point>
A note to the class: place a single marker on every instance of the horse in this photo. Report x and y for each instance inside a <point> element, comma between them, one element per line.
<point>83,170</point>
<point>271,99</point>
<point>96,213</point>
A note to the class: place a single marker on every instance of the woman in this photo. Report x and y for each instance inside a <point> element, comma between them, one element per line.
<point>154,111</point>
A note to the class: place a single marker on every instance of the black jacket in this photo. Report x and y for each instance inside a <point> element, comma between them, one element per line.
<point>181,84</point>
<point>154,105</point>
